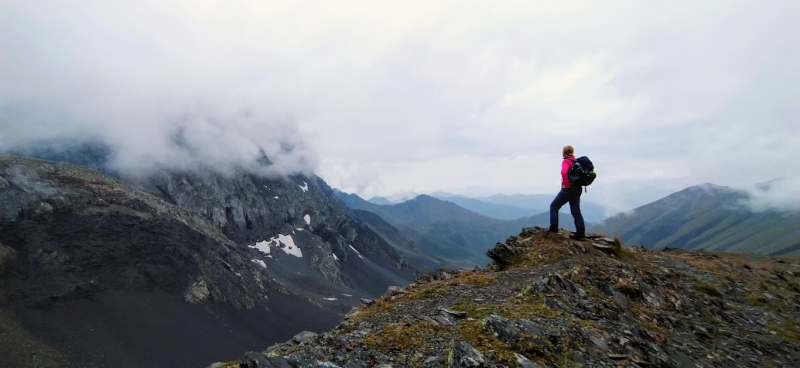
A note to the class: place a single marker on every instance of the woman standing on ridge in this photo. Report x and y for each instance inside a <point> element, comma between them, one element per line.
<point>569,193</point>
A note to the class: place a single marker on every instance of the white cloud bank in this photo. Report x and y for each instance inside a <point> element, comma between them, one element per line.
<point>386,97</point>
<point>780,194</point>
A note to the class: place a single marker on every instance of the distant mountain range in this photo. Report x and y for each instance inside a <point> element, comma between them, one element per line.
<point>379,200</point>
<point>456,236</point>
<point>512,207</point>
<point>708,217</point>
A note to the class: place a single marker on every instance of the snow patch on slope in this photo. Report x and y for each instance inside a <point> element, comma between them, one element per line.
<point>354,250</point>
<point>260,262</point>
<point>304,187</point>
<point>308,219</point>
<point>288,245</point>
<point>263,246</point>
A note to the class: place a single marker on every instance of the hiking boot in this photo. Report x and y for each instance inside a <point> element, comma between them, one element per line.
<point>552,230</point>
<point>577,236</point>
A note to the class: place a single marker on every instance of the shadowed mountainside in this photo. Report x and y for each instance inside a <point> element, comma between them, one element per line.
<point>97,273</point>
<point>94,272</point>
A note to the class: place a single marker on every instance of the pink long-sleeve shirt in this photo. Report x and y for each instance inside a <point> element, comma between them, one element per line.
<point>565,165</point>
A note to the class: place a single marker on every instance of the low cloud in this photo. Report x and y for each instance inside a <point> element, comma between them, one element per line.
<point>150,82</point>
<point>200,141</point>
<point>415,95</point>
<point>777,195</point>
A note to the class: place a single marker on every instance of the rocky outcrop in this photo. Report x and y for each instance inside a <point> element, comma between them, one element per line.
<point>559,302</point>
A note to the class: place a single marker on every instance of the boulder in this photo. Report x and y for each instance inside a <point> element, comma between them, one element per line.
<point>520,334</point>
<point>304,337</point>
<point>503,253</point>
<point>465,355</point>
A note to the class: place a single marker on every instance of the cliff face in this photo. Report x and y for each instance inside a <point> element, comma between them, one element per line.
<point>330,247</point>
<point>551,301</point>
<point>94,272</point>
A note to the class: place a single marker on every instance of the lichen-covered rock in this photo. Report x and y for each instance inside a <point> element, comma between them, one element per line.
<point>503,253</point>
<point>198,292</point>
<point>464,355</point>
<point>304,337</point>
<point>260,360</point>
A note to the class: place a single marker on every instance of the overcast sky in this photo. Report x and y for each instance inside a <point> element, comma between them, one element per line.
<point>384,98</point>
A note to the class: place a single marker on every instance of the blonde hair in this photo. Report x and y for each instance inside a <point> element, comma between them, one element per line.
<point>568,150</point>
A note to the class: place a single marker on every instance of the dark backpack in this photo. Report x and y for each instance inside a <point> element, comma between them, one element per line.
<point>582,171</point>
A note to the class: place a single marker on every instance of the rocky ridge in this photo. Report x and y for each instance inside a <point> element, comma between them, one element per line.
<point>94,272</point>
<point>548,301</point>
<point>297,220</point>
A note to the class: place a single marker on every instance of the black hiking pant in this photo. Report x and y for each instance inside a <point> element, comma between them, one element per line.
<point>573,196</point>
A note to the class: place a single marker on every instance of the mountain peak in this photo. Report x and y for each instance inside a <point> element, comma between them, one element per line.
<point>710,217</point>
<point>560,302</point>
<point>425,198</point>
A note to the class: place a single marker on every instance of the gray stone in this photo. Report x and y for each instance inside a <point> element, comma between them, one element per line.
<point>598,341</point>
<point>432,361</point>
<point>304,337</point>
<point>457,314</point>
<point>680,358</point>
<point>393,290</point>
<point>602,247</point>
<point>260,360</point>
<point>525,362</point>
<point>197,292</point>
<point>503,253</point>
<point>465,355</point>
<point>444,321</point>
<point>619,298</point>
<point>513,331</point>
<point>328,365</point>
